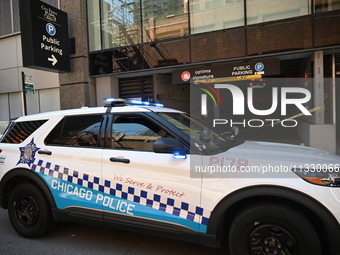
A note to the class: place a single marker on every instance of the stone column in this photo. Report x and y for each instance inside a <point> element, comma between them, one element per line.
<point>76,88</point>
<point>321,135</point>
<point>318,87</point>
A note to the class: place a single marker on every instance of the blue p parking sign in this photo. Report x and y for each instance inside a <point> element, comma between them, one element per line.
<point>50,29</point>
<point>259,66</point>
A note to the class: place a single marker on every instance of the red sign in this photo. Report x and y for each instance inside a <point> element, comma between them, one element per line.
<point>185,76</point>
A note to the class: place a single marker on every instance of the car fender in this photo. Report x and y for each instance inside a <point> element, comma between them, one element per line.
<point>224,212</point>
<point>18,175</point>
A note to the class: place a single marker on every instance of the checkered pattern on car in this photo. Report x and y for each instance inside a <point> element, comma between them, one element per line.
<point>143,197</point>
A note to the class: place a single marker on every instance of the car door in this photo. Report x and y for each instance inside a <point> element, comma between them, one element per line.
<point>153,188</point>
<point>71,164</point>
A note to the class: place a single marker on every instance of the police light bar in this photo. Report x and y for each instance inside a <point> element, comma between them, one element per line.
<point>124,102</point>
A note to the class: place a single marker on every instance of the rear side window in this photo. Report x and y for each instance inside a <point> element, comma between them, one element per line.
<point>82,131</point>
<point>17,132</point>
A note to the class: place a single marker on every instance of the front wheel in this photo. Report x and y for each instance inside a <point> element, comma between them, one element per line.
<point>29,211</point>
<point>272,229</point>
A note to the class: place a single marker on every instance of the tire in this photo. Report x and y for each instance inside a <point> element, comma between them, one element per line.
<point>29,211</point>
<point>272,229</point>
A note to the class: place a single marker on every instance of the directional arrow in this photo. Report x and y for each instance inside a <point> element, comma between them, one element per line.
<point>53,60</point>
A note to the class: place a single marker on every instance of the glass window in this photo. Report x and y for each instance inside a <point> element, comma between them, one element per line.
<point>193,128</point>
<point>326,5</point>
<point>210,15</point>
<point>135,133</point>
<point>9,15</point>
<point>93,20</point>
<point>16,16</point>
<point>19,131</point>
<point>5,17</point>
<point>164,19</point>
<point>32,103</point>
<point>80,131</point>
<point>259,11</point>
<point>15,105</point>
<point>120,23</point>
<point>49,100</point>
<point>11,107</point>
<point>4,106</point>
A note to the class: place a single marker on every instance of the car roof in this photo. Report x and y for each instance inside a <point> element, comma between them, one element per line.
<point>94,110</point>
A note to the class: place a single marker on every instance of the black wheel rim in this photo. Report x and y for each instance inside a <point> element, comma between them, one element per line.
<point>271,240</point>
<point>27,210</point>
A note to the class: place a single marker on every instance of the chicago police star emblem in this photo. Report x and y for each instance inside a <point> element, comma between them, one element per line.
<point>27,153</point>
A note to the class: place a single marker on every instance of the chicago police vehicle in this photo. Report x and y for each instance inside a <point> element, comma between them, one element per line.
<point>157,170</point>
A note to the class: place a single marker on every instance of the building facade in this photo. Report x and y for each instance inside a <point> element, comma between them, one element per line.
<point>45,96</point>
<point>143,49</point>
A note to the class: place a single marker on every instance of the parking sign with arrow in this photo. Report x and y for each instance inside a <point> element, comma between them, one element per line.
<point>53,60</point>
<point>44,36</point>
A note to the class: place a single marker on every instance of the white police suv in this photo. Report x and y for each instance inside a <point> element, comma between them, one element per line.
<point>157,170</point>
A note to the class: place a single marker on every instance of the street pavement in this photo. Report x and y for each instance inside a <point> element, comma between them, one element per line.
<point>70,238</point>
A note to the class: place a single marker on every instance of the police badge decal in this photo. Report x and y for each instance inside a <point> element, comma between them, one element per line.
<point>27,153</point>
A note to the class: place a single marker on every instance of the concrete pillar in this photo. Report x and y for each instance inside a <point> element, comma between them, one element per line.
<point>318,87</point>
<point>317,134</point>
<point>107,86</point>
<point>76,88</point>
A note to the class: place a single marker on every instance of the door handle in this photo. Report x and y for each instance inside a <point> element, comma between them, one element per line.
<point>121,160</point>
<point>45,152</point>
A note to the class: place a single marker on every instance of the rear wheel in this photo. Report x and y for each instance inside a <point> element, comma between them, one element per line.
<point>29,211</point>
<point>272,229</point>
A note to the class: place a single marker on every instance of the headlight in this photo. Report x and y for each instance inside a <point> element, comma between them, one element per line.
<point>324,177</point>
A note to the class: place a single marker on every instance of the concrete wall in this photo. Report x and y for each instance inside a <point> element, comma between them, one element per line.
<point>176,96</point>
<point>46,84</point>
<point>11,68</point>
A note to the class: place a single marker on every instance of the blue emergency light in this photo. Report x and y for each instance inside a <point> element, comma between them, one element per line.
<point>178,155</point>
<point>125,102</point>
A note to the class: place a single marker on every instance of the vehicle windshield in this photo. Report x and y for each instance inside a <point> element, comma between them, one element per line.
<point>194,129</point>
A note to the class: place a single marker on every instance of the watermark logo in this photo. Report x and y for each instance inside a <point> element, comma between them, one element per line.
<point>213,94</point>
<point>242,102</point>
<point>239,100</point>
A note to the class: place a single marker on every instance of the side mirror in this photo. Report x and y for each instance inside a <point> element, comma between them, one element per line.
<point>206,137</point>
<point>234,131</point>
<point>168,145</point>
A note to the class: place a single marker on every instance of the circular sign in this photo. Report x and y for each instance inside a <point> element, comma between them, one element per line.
<point>50,29</point>
<point>259,66</point>
<point>185,76</point>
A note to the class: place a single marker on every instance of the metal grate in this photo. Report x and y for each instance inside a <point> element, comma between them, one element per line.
<point>140,87</point>
<point>337,65</point>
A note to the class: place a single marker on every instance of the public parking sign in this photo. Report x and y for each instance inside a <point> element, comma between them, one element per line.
<point>44,36</point>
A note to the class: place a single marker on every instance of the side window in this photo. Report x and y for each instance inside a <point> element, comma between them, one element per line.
<point>82,131</point>
<point>17,132</point>
<point>135,133</point>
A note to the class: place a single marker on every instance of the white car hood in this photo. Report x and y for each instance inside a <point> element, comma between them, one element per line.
<point>264,159</point>
<point>284,153</point>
